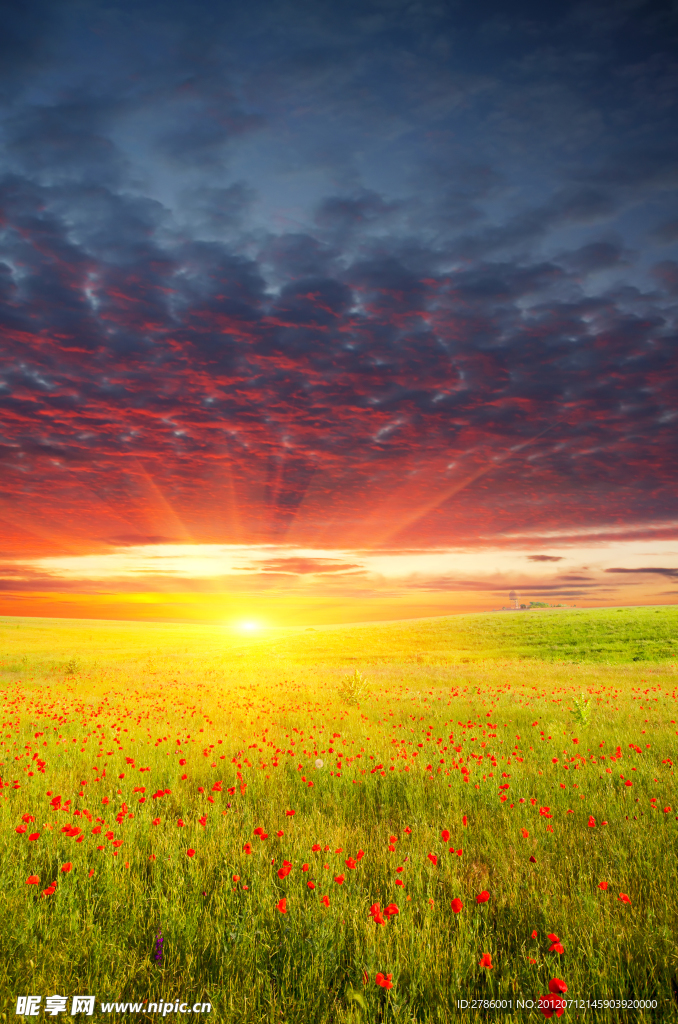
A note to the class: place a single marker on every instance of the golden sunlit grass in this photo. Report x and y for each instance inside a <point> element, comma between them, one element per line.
<point>130,747</point>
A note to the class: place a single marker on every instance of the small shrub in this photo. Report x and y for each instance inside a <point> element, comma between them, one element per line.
<point>581,712</point>
<point>353,689</point>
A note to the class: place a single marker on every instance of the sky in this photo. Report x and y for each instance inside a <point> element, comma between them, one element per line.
<point>319,312</point>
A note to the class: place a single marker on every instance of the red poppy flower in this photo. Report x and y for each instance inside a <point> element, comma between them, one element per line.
<point>180,823</point>
<point>624,898</point>
<point>311,885</point>
<point>290,813</point>
<point>602,885</point>
<point>483,896</point>
<point>28,818</point>
<point>285,869</point>
<point>281,905</point>
<point>21,829</point>
<point>557,986</point>
<point>247,848</point>
<point>33,836</point>
<point>32,880</point>
<point>340,879</point>
<point>556,945</point>
<point>391,910</point>
<point>592,822</point>
<point>156,821</point>
<point>432,857</point>
<point>384,980</point>
<point>463,821</point>
<point>190,853</point>
<point>67,867</point>
<point>236,878</point>
<point>486,961</point>
<point>408,830</point>
<point>525,834</point>
<point>445,835</point>
<point>350,863</point>
<point>304,867</point>
<point>534,934</point>
<point>533,860</point>
<point>279,834</point>
<point>315,848</point>
<point>456,905</point>
<point>325,900</point>
<point>360,854</point>
<point>551,1004</point>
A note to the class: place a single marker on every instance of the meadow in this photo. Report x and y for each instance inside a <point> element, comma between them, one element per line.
<point>343,824</point>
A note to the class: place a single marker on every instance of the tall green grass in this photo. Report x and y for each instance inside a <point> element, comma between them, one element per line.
<point>229,945</point>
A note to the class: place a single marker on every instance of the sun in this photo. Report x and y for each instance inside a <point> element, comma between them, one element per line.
<point>248,626</point>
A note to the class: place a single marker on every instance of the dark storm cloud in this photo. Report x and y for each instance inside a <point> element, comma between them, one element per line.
<point>293,257</point>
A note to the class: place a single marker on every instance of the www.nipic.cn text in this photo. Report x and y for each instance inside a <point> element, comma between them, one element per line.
<point>29,1006</point>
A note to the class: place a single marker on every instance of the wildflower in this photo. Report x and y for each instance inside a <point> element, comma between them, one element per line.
<point>236,878</point>
<point>281,905</point>
<point>525,834</point>
<point>602,885</point>
<point>623,898</point>
<point>279,834</point>
<point>483,896</point>
<point>383,981</point>
<point>445,835</point>
<point>551,1004</point>
<point>325,900</point>
<point>557,986</point>
<point>486,961</point>
<point>350,863</point>
<point>319,763</point>
<point>432,857</point>
<point>304,867</point>
<point>180,823</point>
<point>284,871</point>
<point>247,848</point>
<point>67,867</point>
<point>556,945</point>
<point>157,954</point>
<point>533,860</point>
<point>290,814</point>
<point>315,848</point>
<point>340,879</point>
<point>190,853</point>
<point>33,836</point>
<point>391,910</point>
<point>456,905</point>
<point>156,821</point>
<point>463,821</point>
<point>534,934</point>
<point>311,885</point>
<point>32,880</point>
<point>592,822</point>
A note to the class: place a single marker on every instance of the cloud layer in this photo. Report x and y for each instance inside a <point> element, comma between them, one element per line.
<point>336,276</point>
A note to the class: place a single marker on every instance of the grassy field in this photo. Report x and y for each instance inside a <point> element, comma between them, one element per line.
<point>163,785</point>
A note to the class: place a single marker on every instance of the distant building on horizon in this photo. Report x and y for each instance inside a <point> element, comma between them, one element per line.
<point>514,598</point>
